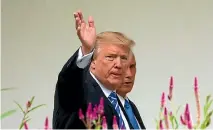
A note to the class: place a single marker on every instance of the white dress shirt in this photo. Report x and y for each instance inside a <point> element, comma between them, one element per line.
<point>82,62</point>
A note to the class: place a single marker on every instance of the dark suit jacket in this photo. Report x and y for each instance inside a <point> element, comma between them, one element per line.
<point>76,88</point>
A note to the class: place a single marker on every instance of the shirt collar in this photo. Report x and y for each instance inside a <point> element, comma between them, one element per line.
<point>122,99</point>
<point>106,91</point>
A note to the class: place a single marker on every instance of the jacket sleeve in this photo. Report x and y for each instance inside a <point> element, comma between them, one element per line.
<point>69,93</point>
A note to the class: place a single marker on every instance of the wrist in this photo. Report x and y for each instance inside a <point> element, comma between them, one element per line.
<point>86,50</point>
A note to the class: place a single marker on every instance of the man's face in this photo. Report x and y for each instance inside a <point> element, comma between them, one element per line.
<point>129,77</point>
<point>110,65</point>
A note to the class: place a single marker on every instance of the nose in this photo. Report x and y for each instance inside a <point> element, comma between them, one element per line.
<point>118,63</point>
<point>128,73</point>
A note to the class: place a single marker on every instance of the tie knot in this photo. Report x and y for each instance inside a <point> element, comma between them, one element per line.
<point>113,95</point>
<point>113,98</point>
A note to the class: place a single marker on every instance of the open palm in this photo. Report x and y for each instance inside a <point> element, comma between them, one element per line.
<point>86,32</point>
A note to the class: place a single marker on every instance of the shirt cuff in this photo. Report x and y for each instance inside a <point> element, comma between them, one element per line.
<point>83,61</point>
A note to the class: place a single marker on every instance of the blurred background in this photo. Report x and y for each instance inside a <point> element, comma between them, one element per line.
<point>173,38</point>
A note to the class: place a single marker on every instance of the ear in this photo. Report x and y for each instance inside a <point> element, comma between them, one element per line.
<point>93,63</point>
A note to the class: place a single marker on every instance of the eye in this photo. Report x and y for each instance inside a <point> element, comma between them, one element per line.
<point>110,58</point>
<point>132,66</point>
<point>124,57</point>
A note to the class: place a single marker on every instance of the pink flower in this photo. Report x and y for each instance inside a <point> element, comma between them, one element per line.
<point>170,114</point>
<point>95,108</point>
<point>25,126</point>
<point>89,110</point>
<point>195,82</point>
<point>46,125</point>
<point>166,118</point>
<point>189,122</point>
<point>94,115</point>
<point>182,120</point>
<point>188,117</point>
<point>170,88</point>
<point>80,114</point>
<point>104,124</point>
<point>162,100</point>
<point>115,124</point>
<point>28,104</point>
<point>101,106</point>
<point>161,125</point>
<point>196,92</point>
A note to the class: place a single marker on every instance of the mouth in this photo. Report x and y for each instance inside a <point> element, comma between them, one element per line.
<point>116,75</point>
<point>127,83</point>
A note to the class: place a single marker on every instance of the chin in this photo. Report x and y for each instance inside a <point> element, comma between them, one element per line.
<point>127,86</point>
<point>116,83</point>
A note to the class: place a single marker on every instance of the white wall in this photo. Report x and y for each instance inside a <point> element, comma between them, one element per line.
<point>173,38</point>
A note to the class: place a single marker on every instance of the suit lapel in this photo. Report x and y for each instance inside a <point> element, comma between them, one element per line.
<point>137,115</point>
<point>109,110</point>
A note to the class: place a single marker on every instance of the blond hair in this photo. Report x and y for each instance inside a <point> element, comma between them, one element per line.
<point>112,38</point>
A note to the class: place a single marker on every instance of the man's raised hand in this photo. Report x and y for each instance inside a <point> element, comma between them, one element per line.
<point>85,31</point>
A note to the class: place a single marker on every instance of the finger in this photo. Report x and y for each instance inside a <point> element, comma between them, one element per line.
<point>77,22</point>
<point>81,16</point>
<point>83,26</point>
<point>78,30</point>
<point>77,19</point>
<point>75,14</point>
<point>91,21</point>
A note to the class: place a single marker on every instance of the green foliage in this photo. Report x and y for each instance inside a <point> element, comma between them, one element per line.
<point>6,89</point>
<point>28,109</point>
<point>207,113</point>
<point>8,113</point>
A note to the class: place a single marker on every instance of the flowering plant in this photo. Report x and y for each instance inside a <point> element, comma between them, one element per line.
<point>28,109</point>
<point>168,119</point>
<point>95,117</point>
<point>9,112</point>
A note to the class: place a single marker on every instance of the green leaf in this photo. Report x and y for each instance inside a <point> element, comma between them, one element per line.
<point>98,127</point>
<point>206,107</point>
<point>206,120</point>
<point>204,110</point>
<point>209,104</point>
<point>19,107</point>
<point>208,123</point>
<point>210,114</point>
<point>32,99</point>
<point>157,124</point>
<point>207,98</point>
<point>22,124</point>
<point>178,109</point>
<point>36,107</point>
<point>26,117</point>
<point>27,120</point>
<point>171,118</point>
<point>176,123</point>
<point>8,113</point>
<point>6,89</point>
